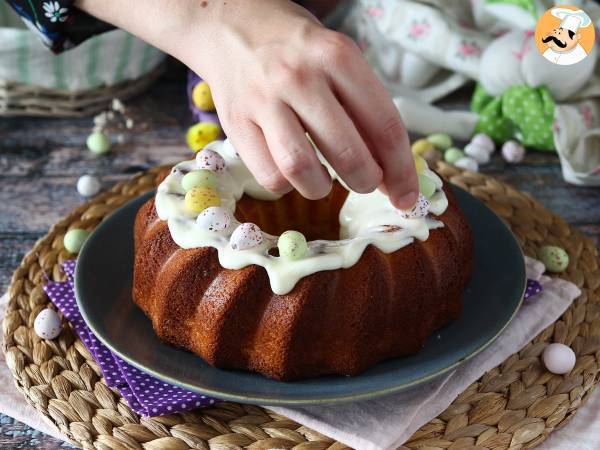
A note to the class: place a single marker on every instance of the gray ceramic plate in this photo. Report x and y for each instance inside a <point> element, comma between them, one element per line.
<point>103,285</point>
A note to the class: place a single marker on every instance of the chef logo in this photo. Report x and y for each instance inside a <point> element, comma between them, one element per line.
<point>565,35</point>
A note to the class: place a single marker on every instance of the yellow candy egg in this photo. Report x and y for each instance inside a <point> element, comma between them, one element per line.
<point>198,199</point>
<point>420,146</point>
<point>200,135</point>
<point>420,164</point>
<point>202,97</point>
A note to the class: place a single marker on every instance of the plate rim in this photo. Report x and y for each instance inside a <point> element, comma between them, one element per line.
<point>257,399</point>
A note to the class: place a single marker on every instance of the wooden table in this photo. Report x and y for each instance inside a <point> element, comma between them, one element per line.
<point>41,160</point>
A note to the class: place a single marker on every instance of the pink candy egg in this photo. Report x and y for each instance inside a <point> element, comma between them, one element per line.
<point>513,152</point>
<point>47,324</point>
<point>558,358</point>
<point>210,160</point>
<point>484,141</point>
<point>214,218</point>
<point>420,209</point>
<point>245,236</point>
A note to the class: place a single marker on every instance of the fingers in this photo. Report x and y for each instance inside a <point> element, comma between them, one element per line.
<point>379,122</point>
<point>292,153</point>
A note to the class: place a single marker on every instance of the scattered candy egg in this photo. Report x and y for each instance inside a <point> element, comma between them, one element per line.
<point>420,164</point>
<point>88,185</point>
<point>210,160</point>
<point>554,258</point>
<point>98,143</point>
<point>420,146</point>
<point>441,141</point>
<point>214,218</point>
<point>432,156</point>
<point>202,97</point>
<point>74,239</point>
<point>292,245</point>
<point>513,152</point>
<point>484,141</point>
<point>559,358</point>
<point>453,154</point>
<point>467,163</point>
<point>47,324</point>
<point>420,209</point>
<point>426,186</point>
<point>199,178</point>
<point>200,135</point>
<point>478,153</point>
<point>198,199</point>
<point>245,236</point>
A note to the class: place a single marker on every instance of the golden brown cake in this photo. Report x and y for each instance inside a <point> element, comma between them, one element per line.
<point>336,321</point>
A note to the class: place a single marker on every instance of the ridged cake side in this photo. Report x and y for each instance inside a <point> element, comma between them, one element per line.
<point>332,322</point>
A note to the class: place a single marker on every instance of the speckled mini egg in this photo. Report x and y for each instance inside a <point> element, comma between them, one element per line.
<point>441,141</point>
<point>210,160</point>
<point>513,152</point>
<point>453,154</point>
<point>97,142</point>
<point>88,185</point>
<point>478,153</point>
<point>47,324</point>
<point>420,146</point>
<point>484,141</point>
<point>420,209</point>
<point>292,245</point>
<point>74,239</point>
<point>467,163</point>
<point>198,199</point>
<point>426,186</point>
<point>202,97</point>
<point>554,258</point>
<point>245,236</point>
<point>200,135</point>
<point>199,178</point>
<point>420,164</point>
<point>558,358</point>
<point>214,218</point>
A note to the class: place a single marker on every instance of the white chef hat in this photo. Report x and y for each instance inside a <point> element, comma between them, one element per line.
<point>571,19</point>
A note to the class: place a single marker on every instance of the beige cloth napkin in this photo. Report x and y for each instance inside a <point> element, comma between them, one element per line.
<point>389,421</point>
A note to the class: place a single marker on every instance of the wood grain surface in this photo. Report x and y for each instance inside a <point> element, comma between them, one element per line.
<point>41,160</point>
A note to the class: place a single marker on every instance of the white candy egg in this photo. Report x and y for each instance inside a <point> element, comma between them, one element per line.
<point>478,153</point>
<point>245,236</point>
<point>88,185</point>
<point>47,324</point>
<point>467,163</point>
<point>214,218</point>
<point>420,209</point>
<point>558,358</point>
<point>484,141</point>
<point>513,152</point>
<point>211,160</point>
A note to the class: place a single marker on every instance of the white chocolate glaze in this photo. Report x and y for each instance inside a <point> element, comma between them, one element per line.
<point>364,219</point>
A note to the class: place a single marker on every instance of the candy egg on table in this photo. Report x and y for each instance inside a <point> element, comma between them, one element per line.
<point>484,141</point>
<point>292,245</point>
<point>420,209</point>
<point>214,218</point>
<point>420,164</point>
<point>478,153</point>
<point>559,358</point>
<point>453,154</point>
<point>427,186</point>
<point>441,141</point>
<point>421,145</point>
<point>202,97</point>
<point>88,185</point>
<point>198,199</point>
<point>97,142</point>
<point>200,135</point>
<point>199,178</point>
<point>513,152</point>
<point>47,324</point>
<point>467,163</point>
<point>210,160</point>
<point>245,236</point>
<point>74,239</point>
<point>554,258</point>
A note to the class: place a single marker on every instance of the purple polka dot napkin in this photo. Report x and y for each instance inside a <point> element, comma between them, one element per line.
<point>145,394</point>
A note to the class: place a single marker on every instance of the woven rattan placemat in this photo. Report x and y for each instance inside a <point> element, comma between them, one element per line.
<point>515,405</point>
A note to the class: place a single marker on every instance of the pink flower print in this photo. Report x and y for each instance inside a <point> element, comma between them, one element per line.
<point>419,30</point>
<point>468,49</point>
<point>375,11</point>
<point>588,116</point>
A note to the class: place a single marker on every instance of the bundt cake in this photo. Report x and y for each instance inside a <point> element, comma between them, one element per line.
<point>358,282</point>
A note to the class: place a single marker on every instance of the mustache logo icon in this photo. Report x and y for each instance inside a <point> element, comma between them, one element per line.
<point>556,41</point>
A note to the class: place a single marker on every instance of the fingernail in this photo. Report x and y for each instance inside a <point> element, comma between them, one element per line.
<point>406,201</point>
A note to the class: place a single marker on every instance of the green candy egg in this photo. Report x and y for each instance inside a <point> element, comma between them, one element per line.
<point>426,186</point>
<point>441,141</point>
<point>199,178</point>
<point>453,154</point>
<point>554,258</point>
<point>98,143</point>
<point>292,245</point>
<point>74,239</point>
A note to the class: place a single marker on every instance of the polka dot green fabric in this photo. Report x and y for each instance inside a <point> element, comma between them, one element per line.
<point>522,113</point>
